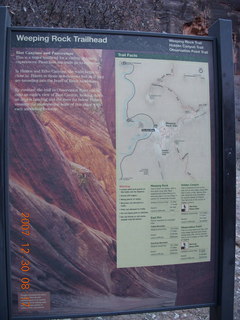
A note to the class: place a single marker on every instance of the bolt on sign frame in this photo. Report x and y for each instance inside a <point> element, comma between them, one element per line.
<point>117,172</point>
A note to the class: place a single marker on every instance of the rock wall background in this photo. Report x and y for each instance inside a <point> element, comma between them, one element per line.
<point>172,16</point>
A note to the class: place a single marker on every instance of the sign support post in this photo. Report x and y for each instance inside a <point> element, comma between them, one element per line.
<point>222,31</point>
<point>4,272</point>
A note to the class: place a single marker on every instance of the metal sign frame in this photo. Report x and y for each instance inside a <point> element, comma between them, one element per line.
<point>221,37</point>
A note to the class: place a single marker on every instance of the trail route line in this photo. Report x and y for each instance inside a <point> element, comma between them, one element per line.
<point>163,120</point>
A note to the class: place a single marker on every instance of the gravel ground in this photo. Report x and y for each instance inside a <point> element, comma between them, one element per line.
<point>198,313</point>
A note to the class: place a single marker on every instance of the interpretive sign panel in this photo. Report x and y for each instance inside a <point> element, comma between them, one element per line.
<point>111,178</point>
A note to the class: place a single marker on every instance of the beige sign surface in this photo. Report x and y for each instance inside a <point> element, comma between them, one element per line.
<point>163,161</point>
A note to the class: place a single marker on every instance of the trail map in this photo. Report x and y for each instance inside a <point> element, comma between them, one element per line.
<point>162,119</point>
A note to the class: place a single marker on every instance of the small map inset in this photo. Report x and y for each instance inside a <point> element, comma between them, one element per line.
<point>163,120</point>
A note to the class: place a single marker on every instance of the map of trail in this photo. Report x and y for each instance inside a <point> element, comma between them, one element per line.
<point>163,120</point>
